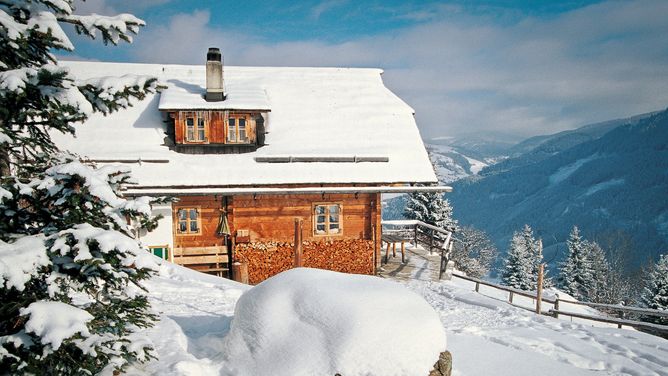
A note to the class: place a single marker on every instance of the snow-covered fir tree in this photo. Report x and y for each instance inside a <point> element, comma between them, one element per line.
<point>473,252</point>
<point>70,267</point>
<point>597,286</point>
<point>655,293</point>
<point>432,208</point>
<point>520,268</point>
<point>517,265</point>
<point>576,276</point>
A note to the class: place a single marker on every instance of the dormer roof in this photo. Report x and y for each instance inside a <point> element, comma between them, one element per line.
<point>181,95</point>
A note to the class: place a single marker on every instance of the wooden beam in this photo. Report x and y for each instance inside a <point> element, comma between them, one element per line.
<point>298,243</point>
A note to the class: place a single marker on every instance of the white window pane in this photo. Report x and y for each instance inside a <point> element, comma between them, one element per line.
<point>183,226</point>
<point>193,226</point>
<point>320,209</point>
<point>193,213</point>
<point>200,134</point>
<point>320,229</point>
<point>320,219</point>
<point>333,208</point>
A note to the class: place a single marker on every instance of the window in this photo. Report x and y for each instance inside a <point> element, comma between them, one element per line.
<point>327,219</point>
<point>188,221</point>
<point>237,131</point>
<point>195,127</point>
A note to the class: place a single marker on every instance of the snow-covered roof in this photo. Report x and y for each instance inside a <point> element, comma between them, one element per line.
<point>315,112</point>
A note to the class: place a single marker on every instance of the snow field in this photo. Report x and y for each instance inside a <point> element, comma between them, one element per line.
<point>486,335</point>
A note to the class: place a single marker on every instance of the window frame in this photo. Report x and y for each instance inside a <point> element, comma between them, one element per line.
<point>198,210</point>
<point>327,222</point>
<point>237,133</point>
<point>196,116</point>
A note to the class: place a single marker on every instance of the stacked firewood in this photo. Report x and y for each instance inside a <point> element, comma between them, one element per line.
<point>266,259</point>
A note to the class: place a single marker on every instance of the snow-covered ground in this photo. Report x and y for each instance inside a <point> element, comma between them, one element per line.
<point>486,335</point>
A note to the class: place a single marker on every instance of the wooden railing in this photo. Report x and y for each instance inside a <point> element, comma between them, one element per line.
<point>432,238</point>
<point>608,308</point>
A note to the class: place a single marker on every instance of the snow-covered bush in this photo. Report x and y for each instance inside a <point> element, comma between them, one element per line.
<point>70,268</point>
<point>473,252</point>
<point>317,322</point>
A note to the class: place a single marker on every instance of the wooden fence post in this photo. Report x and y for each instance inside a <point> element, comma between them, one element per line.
<point>477,287</point>
<point>556,306</point>
<point>431,241</point>
<point>298,243</point>
<point>416,235</point>
<point>539,294</point>
<point>510,298</point>
<point>240,272</point>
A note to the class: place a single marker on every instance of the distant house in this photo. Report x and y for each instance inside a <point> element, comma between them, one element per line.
<point>247,151</point>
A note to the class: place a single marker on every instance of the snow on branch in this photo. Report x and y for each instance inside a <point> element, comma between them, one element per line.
<point>108,94</point>
<point>21,260</point>
<point>112,28</point>
<point>54,322</point>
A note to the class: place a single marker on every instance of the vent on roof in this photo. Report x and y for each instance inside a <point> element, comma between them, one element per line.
<point>214,75</point>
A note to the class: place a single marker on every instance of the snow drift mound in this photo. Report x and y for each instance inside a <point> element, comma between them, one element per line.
<point>317,322</point>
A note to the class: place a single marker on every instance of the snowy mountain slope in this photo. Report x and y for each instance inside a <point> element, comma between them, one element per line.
<point>615,183</point>
<point>485,335</point>
<point>537,148</point>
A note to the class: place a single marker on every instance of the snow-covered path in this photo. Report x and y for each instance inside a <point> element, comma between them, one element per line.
<point>486,335</point>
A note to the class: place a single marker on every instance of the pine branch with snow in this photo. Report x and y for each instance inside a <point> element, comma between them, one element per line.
<point>49,99</point>
<point>66,240</point>
<point>71,269</point>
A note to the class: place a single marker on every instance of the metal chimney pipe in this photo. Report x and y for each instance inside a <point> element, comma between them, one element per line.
<point>214,75</point>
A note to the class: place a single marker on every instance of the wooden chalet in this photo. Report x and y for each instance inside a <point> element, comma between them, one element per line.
<point>257,156</point>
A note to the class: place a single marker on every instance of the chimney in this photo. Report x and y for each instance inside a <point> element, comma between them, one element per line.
<point>214,76</point>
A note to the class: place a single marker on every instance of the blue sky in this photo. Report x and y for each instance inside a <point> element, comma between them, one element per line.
<point>504,67</point>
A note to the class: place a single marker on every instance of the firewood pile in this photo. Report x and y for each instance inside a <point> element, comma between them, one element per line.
<point>266,259</point>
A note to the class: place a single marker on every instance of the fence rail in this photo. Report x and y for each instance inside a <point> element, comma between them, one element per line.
<point>556,311</point>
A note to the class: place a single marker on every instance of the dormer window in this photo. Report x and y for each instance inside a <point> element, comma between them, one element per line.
<point>237,129</point>
<point>196,125</point>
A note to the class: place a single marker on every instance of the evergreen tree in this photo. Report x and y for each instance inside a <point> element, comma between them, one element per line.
<point>431,208</point>
<point>601,275</point>
<point>655,293</point>
<point>576,271</point>
<point>522,262</point>
<point>70,267</point>
<point>517,265</point>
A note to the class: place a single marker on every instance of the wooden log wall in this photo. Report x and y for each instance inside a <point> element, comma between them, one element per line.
<point>265,259</point>
<point>271,217</point>
<point>210,209</point>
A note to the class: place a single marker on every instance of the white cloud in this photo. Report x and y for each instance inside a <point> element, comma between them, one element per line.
<point>471,72</point>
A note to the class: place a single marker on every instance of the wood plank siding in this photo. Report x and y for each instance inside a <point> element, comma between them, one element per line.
<point>266,223</point>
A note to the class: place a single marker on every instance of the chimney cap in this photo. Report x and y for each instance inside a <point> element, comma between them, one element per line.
<point>213,54</point>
